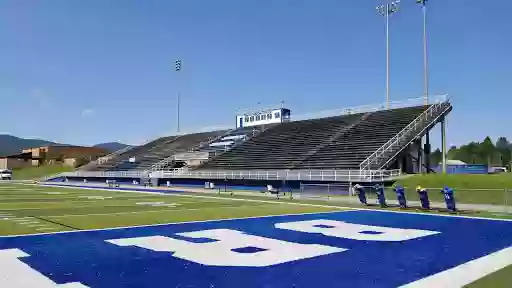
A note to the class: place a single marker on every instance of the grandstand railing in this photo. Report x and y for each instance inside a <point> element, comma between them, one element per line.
<point>412,102</point>
<point>412,127</point>
<point>301,175</point>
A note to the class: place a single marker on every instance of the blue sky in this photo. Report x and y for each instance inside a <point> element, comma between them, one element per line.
<point>85,72</point>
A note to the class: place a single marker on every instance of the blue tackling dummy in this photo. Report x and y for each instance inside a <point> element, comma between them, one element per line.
<point>360,193</point>
<point>449,199</point>
<point>400,195</point>
<point>381,197</point>
<point>423,194</point>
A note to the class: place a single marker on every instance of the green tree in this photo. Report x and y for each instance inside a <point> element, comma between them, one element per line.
<point>488,152</point>
<point>452,152</point>
<point>503,146</point>
<point>436,157</point>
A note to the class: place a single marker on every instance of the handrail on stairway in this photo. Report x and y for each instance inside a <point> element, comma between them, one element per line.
<point>368,161</point>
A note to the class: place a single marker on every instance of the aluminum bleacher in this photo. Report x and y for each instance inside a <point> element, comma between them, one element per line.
<point>116,160</point>
<point>281,146</point>
<point>363,139</point>
<point>148,155</point>
<point>340,142</point>
<point>180,144</point>
<point>354,146</point>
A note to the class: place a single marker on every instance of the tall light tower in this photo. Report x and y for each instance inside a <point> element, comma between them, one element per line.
<point>386,10</point>
<point>423,4</point>
<point>177,68</point>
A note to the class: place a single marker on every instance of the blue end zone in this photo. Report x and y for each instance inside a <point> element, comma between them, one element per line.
<point>85,257</point>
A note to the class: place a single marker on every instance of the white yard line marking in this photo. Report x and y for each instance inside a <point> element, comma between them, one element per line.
<point>96,197</point>
<point>45,229</point>
<point>157,204</point>
<point>468,272</point>
<point>20,220</point>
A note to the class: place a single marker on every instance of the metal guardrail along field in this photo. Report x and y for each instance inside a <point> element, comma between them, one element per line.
<point>300,175</point>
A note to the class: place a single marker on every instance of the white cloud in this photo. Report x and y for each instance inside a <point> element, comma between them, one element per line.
<point>88,112</point>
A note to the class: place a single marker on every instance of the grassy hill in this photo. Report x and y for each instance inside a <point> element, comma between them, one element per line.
<point>474,189</point>
<point>31,173</point>
<point>111,146</point>
<point>466,181</point>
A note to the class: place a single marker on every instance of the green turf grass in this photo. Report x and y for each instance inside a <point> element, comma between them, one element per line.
<point>460,181</point>
<point>500,279</point>
<point>32,173</point>
<point>494,189</point>
<point>72,210</point>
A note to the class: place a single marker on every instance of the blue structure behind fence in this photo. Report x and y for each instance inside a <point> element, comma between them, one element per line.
<point>464,169</point>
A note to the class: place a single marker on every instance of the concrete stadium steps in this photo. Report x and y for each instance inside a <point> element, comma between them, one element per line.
<point>341,142</point>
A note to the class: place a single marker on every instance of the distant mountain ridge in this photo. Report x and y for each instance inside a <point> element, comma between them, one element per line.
<point>111,146</point>
<point>11,144</point>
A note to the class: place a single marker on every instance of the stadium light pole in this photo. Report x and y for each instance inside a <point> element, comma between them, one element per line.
<point>177,68</point>
<point>386,10</point>
<point>423,4</point>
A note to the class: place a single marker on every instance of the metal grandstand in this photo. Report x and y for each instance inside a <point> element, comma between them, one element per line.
<point>350,137</point>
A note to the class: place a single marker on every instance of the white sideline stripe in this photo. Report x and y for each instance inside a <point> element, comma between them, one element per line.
<point>466,273</point>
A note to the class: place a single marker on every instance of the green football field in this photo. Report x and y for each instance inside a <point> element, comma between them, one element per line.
<point>31,209</point>
<point>27,209</point>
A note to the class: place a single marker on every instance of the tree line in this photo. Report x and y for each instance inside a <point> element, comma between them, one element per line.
<point>485,152</point>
